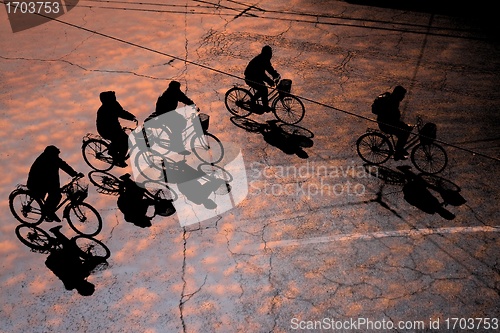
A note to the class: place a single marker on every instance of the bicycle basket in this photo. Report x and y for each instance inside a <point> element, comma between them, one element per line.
<point>77,192</point>
<point>284,87</point>
<point>428,133</point>
<point>204,120</point>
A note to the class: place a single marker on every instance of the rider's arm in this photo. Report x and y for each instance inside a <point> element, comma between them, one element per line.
<point>184,99</point>
<point>270,69</point>
<point>67,168</point>
<point>126,115</point>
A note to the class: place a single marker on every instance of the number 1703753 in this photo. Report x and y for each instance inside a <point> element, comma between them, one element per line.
<point>472,323</point>
<point>32,7</point>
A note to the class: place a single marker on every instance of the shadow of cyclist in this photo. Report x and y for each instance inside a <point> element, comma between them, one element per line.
<point>65,262</point>
<point>417,189</point>
<point>290,139</point>
<point>195,184</point>
<point>133,202</point>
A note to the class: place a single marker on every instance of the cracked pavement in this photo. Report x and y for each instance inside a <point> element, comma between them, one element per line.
<point>289,250</point>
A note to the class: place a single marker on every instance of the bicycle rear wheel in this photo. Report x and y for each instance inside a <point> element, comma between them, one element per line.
<point>208,148</point>
<point>374,148</point>
<point>288,109</point>
<point>26,208</point>
<point>239,101</point>
<point>83,219</point>
<point>106,182</point>
<point>430,159</point>
<point>96,155</point>
<point>91,248</point>
<point>33,237</point>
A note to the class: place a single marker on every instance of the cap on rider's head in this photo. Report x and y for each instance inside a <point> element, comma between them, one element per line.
<point>267,51</point>
<point>174,85</point>
<point>52,150</point>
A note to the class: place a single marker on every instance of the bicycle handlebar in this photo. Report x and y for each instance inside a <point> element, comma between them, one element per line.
<point>73,180</point>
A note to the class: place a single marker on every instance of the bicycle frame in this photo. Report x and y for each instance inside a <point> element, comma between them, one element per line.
<point>412,141</point>
<point>272,93</point>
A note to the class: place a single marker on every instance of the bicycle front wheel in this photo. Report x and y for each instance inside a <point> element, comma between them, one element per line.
<point>91,248</point>
<point>239,101</point>
<point>374,148</point>
<point>430,159</point>
<point>96,155</point>
<point>33,237</point>
<point>151,166</point>
<point>83,219</point>
<point>106,182</point>
<point>208,148</point>
<point>26,208</point>
<point>289,109</point>
<point>160,191</point>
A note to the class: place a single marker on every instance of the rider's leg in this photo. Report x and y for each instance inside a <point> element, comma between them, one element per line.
<point>119,147</point>
<point>53,198</point>
<point>177,124</point>
<point>402,132</point>
<point>260,92</point>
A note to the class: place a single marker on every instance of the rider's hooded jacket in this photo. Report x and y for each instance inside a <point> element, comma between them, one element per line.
<point>44,173</point>
<point>107,116</point>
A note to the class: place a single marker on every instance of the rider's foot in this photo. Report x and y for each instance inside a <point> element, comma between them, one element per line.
<point>121,164</point>
<point>52,217</point>
<point>55,229</point>
<point>400,157</point>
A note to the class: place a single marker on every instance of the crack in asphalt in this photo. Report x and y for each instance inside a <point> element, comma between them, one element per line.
<point>84,68</point>
<point>186,297</point>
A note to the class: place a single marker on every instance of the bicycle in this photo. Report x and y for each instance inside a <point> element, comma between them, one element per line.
<point>286,107</point>
<point>206,146</point>
<point>38,240</point>
<point>95,151</point>
<point>159,196</point>
<point>82,217</point>
<point>376,147</point>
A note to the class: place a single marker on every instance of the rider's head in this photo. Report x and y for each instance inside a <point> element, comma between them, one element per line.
<point>52,150</point>
<point>174,85</point>
<point>267,51</point>
<point>399,93</point>
<point>107,96</point>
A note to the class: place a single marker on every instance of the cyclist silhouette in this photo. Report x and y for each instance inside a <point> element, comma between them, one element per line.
<point>256,77</point>
<point>390,122</point>
<point>43,180</point>
<point>167,103</point>
<point>108,126</point>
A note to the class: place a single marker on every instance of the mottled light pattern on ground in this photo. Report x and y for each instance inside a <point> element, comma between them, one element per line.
<point>277,255</point>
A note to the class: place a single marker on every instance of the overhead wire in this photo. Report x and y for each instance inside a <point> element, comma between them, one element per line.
<point>241,78</point>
